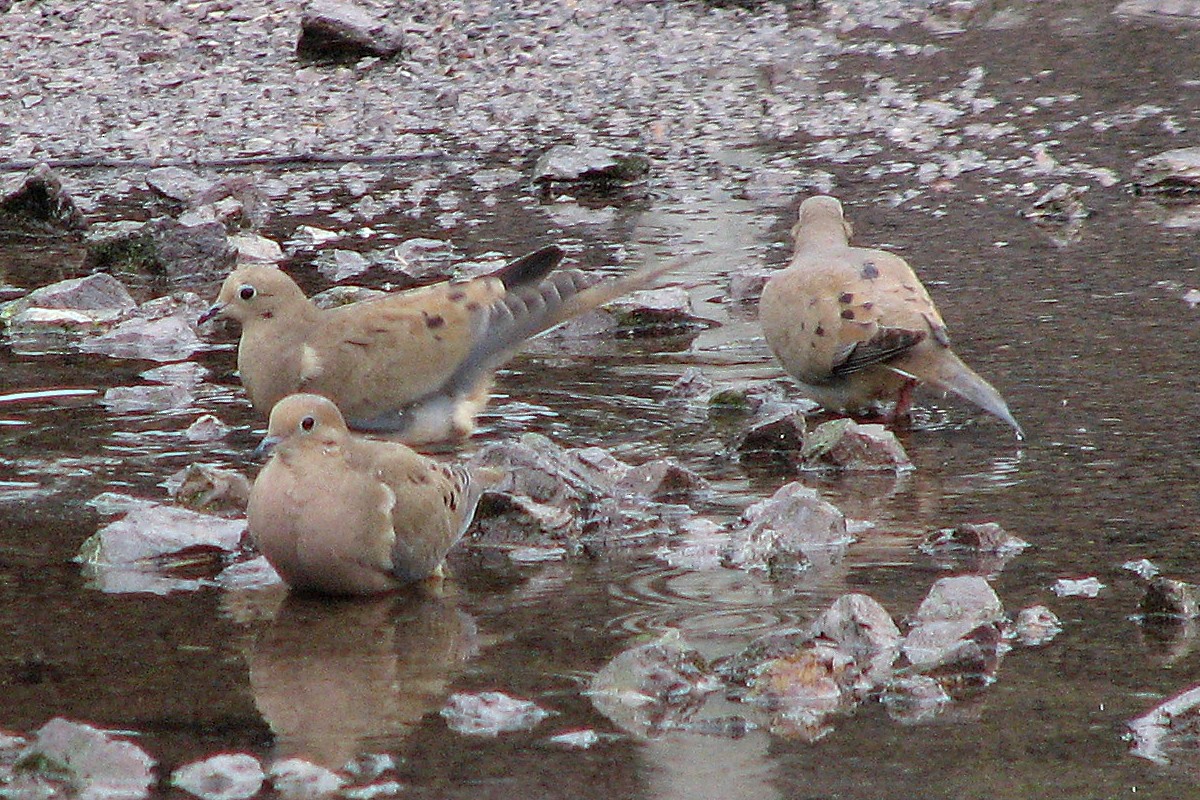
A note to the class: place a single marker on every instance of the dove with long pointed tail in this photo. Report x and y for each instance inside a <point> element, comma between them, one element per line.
<point>856,328</point>
<point>416,365</point>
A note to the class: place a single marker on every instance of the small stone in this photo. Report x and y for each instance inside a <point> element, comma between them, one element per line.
<point>38,323</point>
<point>374,790</point>
<point>40,203</point>
<point>1061,204</point>
<point>1174,173</point>
<point>1081,587</point>
<point>1168,732</point>
<point>858,624</point>
<point>915,699</point>
<point>1036,625</point>
<point>338,265</point>
<point>1166,11</point>
<point>96,765</point>
<point>1166,597</point>
<point>844,444</point>
<point>775,433</point>
<point>650,688</point>
<point>202,486</point>
<point>490,714</point>
<point>1144,568</point>
<point>956,631</point>
<point>207,428</point>
<point>254,249</point>
<point>229,776</point>
<point>297,779</point>
<point>662,480</point>
<point>164,339</point>
<point>176,183</point>
<point>747,284</point>
<point>748,398</point>
<point>960,597</point>
<point>192,248</point>
<point>191,252</point>
<point>984,537</point>
<point>792,530</point>
<point>656,312</point>
<point>98,292</point>
<point>578,740</point>
<point>150,530</point>
<point>805,686</point>
<point>140,399</point>
<point>588,164</point>
<point>341,31</point>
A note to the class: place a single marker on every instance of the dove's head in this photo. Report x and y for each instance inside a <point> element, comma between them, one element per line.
<point>822,215</point>
<point>305,419</point>
<point>255,292</point>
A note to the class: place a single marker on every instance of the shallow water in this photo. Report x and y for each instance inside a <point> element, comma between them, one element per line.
<point>1091,342</point>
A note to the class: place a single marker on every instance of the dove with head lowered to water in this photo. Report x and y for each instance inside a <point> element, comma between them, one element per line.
<point>855,326</point>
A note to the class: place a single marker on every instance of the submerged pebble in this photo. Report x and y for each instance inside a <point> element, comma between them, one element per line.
<point>490,713</point>
<point>89,763</point>
<point>228,776</point>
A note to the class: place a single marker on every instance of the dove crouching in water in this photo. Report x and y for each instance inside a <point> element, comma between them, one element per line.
<point>337,513</point>
<point>416,365</point>
<point>855,327</point>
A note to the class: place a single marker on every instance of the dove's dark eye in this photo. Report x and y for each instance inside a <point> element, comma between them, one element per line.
<point>246,292</point>
<point>308,423</point>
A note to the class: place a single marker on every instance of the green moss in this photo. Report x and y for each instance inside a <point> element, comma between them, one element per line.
<point>131,255</point>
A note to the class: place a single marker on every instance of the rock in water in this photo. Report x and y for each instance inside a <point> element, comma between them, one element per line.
<point>40,203</point>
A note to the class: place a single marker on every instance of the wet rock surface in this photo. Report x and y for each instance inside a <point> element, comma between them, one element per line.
<point>575,496</point>
<point>792,530</point>
<point>66,756</point>
<point>341,31</point>
<point>490,714</point>
<point>235,776</point>
<point>938,123</point>
<point>652,688</point>
<point>40,204</point>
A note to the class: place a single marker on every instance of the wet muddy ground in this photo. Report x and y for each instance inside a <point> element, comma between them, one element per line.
<point>935,125</point>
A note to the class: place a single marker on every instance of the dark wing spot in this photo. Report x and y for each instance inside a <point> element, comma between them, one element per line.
<point>848,313</point>
<point>452,501</point>
<point>433,321</point>
<point>867,306</point>
<point>820,330</point>
<point>457,295</point>
<point>846,298</point>
<point>472,306</point>
<point>887,344</point>
<point>869,271</point>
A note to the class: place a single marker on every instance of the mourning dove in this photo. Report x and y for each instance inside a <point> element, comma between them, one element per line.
<point>337,513</point>
<point>855,326</point>
<point>416,365</point>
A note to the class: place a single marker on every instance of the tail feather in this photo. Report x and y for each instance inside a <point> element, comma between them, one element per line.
<point>530,268</point>
<point>531,310</point>
<point>948,372</point>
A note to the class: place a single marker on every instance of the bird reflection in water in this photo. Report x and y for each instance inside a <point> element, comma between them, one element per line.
<point>335,679</point>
